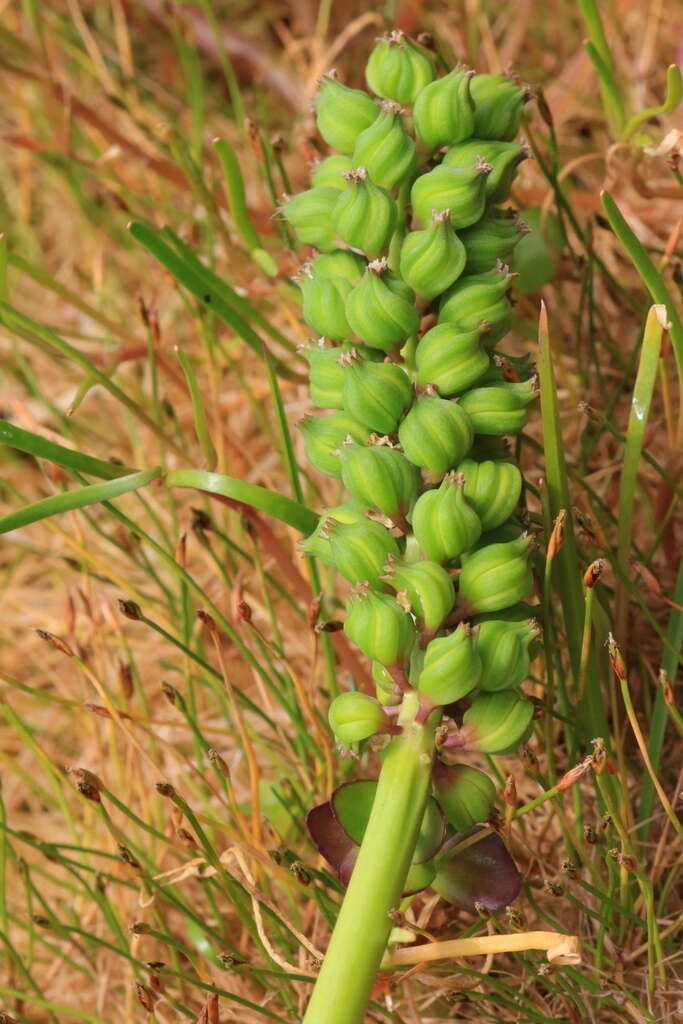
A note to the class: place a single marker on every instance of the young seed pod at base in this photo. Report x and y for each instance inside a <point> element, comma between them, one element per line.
<point>492,240</point>
<point>310,214</point>
<point>458,189</point>
<point>450,359</point>
<point>444,111</point>
<point>496,723</point>
<point>444,523</point>
<point>504,158</point>
<point>380,308</point>
<point>342,113</point>
<point>324,304</point>
<point>386,149</point>
<point>451,668</point>
<point>435,434</point>
<point>429,588</point>
<point>380,477</point>
<point>492,488</point>
<point>465,794</point>
<point>365,214</point>
<point>500,408</point>
<point>480,302</point>
<point>324,436</point>
<point>386,690</point>
<point>331,171</point>
<point>504,650</point>
<point>496,576</point>
<point>432,259</point>
<point>354,716</point>
<point>498,103</point>
<point>380,628</point>
<point>397,69</point>
<point>375,394</point>
<point>360,550</point>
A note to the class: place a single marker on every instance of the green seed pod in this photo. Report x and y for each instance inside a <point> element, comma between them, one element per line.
<point>433,258</point>
<point>444,522</point>
<point>375,394</point>
<point>492,488</point>
<point>354,717</point>
<point>378,625</point>
<point>342,113</point>
<point>324,304</point>
<point>385,149</point>
<point>451,669</point>
<point>380,308</point>
<point>338,263</point>
<point>504,650</point>
<point>465,794</point>
<point>450,359</point>
<point>360,550</point>
<point>504,158</point>
<point>435,434</point>
<point>480,302</point>
<point>496,722</point>
<point>310,214</point>
<point>498,103</point>
<point>324,435</point>
<point>499,408</point>
<point>386,690</point>
<point>380,477</point>
<point>492,239</point>
<point>429,588</point>
<point>365,214</point>
<point>331,171</point>
<point>317,544</point>
<point>458,189</point>
<point>496,576</point>
<point>444,111</point>
<point>325,375</point>
<point>397,69</point>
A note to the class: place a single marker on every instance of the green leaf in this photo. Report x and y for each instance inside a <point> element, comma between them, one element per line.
<point>34,444</point>
<point>284,509</point>
<point>68,500</point>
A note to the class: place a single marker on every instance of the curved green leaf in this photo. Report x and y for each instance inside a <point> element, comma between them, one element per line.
<point>34,444</point>
<point>284,509</point>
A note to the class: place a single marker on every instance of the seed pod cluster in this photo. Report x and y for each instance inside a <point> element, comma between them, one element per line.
<point>407,221</point>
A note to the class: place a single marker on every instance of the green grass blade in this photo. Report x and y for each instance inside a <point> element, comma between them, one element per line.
<point>672,98</point>
<point>69,500</point>
<point>200,425</point>
<point>284,509</point>
<point>33,444</point>
<point>599,53</point>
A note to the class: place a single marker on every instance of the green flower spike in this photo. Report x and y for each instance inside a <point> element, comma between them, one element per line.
<point>365,214</point>
<point>380,308</point>
<point>381,477</point>
<point>450,359</point>
<point>429,589</point>
<point>385,149</point>
<point>433,258</point>
<point>444,110</point>
<point>359,550</point>
<point>504,158</point>
<point>465,794</point>
<point>380,627</point>
<point>331,171</point>
<point>492,240</point>
<point>504,650</point>
<point>500,408</point>
<point>451,668</point>
<point>397,69</point>
<point>498,103</point>
<point>310,214</point>
<point>444,523</point>
<point>480,302</point>
<point>342,113</point>
<point>462,190</point>
<point>324,436</point>
<point>375,394</point>
<point>496,723</point>
<point>436,433</point>
<point>354,717</point>
<point>496,576</point>
<point>492,488</point>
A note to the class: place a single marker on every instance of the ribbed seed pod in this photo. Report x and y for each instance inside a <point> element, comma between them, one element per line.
<point>323,437</point>
<point>504,650</point>
<point>465,794</point>
<point>386,690</point>
<point>325,375</point>
<point>501,408</point>
<point>380,477</point>
<point>450,359</point>
<point>310,214</point>
<point>435,434</point>
<point>496,576</point>
<point>342,113</point>
<point>323,301</point>
<point>375,394</point>
<point>331,171</point>
<point>451,668</point>
<point>429,588</point>
<point>397,69</point>
<point>444,110</point>
<point>492,488</point>
<point>480,302</point>
<point>431,259</point>
<point>444,522</point>
<point>317,544</point>
<point>498,103</point>
<point>385,149</point>
<point>378,625</point>
<point>338,263</point>
<point>504,158</point>
<point>496,722</point>
<point>360,550</point>
<point>365,214</point>
<point>354,717</point>
<point>492,240</point>
<point>380,308</point>
<point>459,189</point>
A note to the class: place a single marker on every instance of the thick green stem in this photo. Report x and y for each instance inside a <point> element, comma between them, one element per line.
<point>359,939</point>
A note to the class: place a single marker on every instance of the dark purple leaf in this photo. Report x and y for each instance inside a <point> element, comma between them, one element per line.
<point>483,873</point>
<point>338,849</point>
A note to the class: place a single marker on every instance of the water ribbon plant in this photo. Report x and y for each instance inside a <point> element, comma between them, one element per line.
<point>409,294</point>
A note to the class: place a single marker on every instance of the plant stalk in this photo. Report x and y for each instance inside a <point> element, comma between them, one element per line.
<point>344,986</point>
